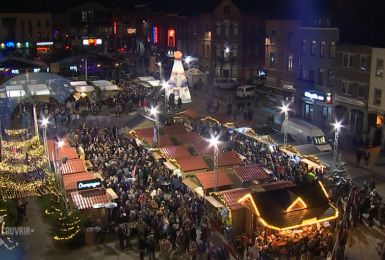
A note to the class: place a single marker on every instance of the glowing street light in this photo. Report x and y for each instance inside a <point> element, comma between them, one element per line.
<point>188,59</point>
<point>154,112</point>
<point>285,109</point>
<point>60,144</point>
<point>44,124</point>
<point>214,141</point>
<point>164,87</point>
<point>227,49</point>
<point>337,127</point>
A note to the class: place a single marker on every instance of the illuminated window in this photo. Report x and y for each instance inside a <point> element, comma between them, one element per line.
<point>313,47</point>
<point>363,62</point>
<point>272,60</point>
<point>322,49</point>
<point>332,50</point>
<point>290,62</point>
<point>380,68</point>
<point>171,38</point>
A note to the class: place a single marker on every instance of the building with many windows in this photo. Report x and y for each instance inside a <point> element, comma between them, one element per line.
<point>281,57</point>
<point>316,72</point>
<point>351,86</point>
<point>25,27</point>
<point>376,101</point>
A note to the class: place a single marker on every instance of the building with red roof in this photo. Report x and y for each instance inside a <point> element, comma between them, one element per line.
<point>208,180</point>
<point>251,173</point>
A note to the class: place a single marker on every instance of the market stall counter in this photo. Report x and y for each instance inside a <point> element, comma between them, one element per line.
<point>291,208</point>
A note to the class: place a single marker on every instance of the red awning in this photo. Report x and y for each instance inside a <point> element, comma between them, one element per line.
<point>277,185</point>
<point>175,151</point>
<point>70,180</point>
<point>144,132</point>
<point>72,166</point>
<point>189,138</point>
<point>86,199</point>
<point>69,152</point>
<point>251,173</point>
<point>174,130</point>
<point>207,179</point>
<point>51,147</point>
<point>164,140</point>
<point>232,196</point>
<point>203,148</point>
<point>192,163</point>
<point>228,158</point>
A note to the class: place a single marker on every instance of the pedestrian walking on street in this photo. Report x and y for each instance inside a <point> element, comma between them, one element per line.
<point>358,157</point>
<point>366,158</point>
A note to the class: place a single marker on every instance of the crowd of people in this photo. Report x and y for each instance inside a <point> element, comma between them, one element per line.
<point>310,243</point>
<point>154,206</point>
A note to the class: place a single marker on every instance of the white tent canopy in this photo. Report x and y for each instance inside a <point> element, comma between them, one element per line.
<point>109,88</point>
<point>78,83</point>
<point>194,76</point>
<point>149,78</point>
<point>15,91</point>
<point>101,83</point>
<point>38,89</point>
<point>84,88</point>
<point>154,83</point>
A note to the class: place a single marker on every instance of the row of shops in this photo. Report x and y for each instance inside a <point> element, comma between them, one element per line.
<point>237,193</point>
<point>322,108</point>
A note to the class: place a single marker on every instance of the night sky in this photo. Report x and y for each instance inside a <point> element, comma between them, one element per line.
<point>359,21</point>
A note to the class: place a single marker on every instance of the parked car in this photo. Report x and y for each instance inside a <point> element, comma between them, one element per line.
<point>225,83</point>
<point>245,91</point>
<point>305,132</point>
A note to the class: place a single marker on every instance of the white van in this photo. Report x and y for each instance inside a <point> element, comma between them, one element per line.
<point>245,91</point>
<point>304,132</point>
<point>223,83</point>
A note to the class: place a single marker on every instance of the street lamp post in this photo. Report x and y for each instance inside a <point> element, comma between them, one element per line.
<point>164,87</point>
<point>214,141</point>
<point>160,71</point>
<point>44,124</point>
<point>285,109</point>
<point>154,112</point>
<point>337,127</point>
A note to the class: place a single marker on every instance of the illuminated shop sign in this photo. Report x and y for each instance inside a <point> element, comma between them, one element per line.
<point>131,30</point>
<point>314,96</point>
<point>327,97</point>
<point>44,43</point>
<point>89,184</point>
<point>154,35</point>
<point>171,38</point>
<point>92,42</point>
<point>10,44</point>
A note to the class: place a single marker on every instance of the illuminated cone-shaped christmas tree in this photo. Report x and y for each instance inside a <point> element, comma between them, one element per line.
<point>178,82</point>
